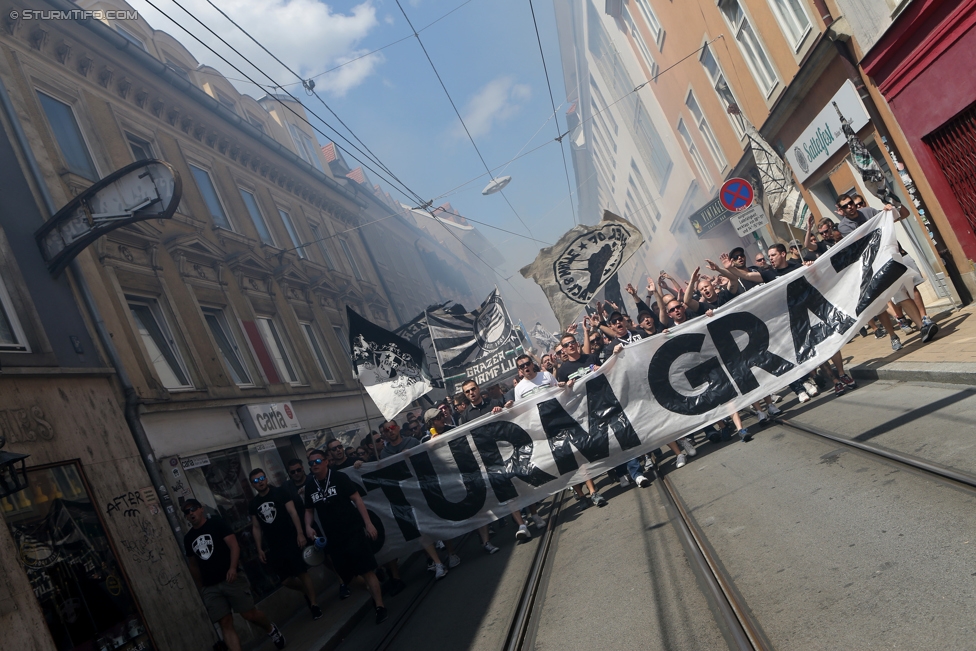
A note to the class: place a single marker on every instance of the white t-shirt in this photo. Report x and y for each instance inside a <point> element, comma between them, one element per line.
<point>542,380</point>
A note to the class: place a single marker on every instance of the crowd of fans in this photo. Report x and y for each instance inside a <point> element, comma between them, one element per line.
<point>343,528</point>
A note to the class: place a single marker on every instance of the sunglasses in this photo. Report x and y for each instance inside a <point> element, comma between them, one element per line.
<point>471,390</point>
<point>525,366</point>
<point>258,479</point>
<point>333,449</point>
<point>569,344</point>
<point>190,510</point>
<point>616,322</point>
<point>675,308</point>
<point>315,462</point>
<point>845,206</point>
<point>296,471</point>
<point>858,204</point>
<point>760,260</point>
<point>741,255</point>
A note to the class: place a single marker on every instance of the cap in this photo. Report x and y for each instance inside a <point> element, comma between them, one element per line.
<point>614,315</point>
<point>737,250</point>
<point>643,315</point>
<point>432,413</point>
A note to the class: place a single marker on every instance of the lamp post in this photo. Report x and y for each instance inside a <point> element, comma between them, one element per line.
<point>13,475</point>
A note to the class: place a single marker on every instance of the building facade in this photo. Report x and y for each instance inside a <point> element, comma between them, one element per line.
<point>781,66</point>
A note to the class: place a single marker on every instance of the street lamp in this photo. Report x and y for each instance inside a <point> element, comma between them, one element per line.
<point>496,185</point>
<point>13,475</point>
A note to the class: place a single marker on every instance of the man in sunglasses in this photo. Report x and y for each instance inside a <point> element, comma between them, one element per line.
<point>335,498</point>
<point>212,554</point>
<point>274,520</point>
<point>829,236</point>
<point>854,211</point>
<point>533,378</point>
<point>338,458</point>
<point>737,256</point>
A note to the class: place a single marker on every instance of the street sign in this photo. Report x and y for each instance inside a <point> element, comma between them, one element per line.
<point>736,194</point>
<point>749,220</point>
<point>708,217</point>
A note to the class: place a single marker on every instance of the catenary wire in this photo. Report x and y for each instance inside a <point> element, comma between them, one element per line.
<point>552,101</point>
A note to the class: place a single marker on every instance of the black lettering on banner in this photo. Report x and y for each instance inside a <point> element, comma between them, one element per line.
<point>718,391</point>
<point>801,300</point>
<point>872,285</point>
<point>605,414</point>
<point>500,471</point>
<point>388,480</point>
<point>474,484</point>
<point>756,352</point>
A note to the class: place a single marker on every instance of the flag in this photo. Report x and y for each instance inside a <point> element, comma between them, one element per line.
<point>573,270</point>
<point>417,332</point>
<point>780,196</point>
<point>481,344</point>
<point>543,338</point>
<point>863,161</point>
<point>391,368</point>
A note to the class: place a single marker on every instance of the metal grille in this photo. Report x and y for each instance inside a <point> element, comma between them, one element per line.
<point>954,146</point>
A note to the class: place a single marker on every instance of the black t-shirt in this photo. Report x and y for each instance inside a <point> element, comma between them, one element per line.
<point>822,247</point>
<point>632,336</point>
<point>272,512</point>
<point>331,499</point>
<point>568,368</point>
<point>485,407</point>
<point>722,297</point>
<point>212,553</point>
<point>749,284</point>
<point>769,274</point>
<point>348,463</point>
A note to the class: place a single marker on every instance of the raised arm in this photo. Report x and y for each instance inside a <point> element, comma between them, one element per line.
<point>809,241</point>
<point>753,276</point>
<point>690,302</point>
<point>734,285</point>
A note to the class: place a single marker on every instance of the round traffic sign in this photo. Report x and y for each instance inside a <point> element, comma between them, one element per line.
<point>736,194</point>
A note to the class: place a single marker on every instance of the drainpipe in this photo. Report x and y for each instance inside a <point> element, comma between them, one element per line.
<point>131,398</point>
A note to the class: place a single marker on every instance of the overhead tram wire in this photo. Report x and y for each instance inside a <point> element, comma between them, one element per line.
<point>458,113</point>
<point>406,191</point>
<point>552,101</point>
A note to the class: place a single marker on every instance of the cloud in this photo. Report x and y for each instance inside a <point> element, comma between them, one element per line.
<point>497,101</point>
<point>307,35</point>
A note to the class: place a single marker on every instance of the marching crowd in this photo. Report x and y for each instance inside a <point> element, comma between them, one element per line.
<point>322,511</point>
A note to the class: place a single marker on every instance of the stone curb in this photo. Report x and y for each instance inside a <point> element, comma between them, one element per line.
<point>943,372</point>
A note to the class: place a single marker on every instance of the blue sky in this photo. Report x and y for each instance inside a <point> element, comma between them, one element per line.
<point>487,55</point>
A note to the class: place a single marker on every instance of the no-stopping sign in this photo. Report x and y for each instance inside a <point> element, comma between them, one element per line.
<point>736,194</point>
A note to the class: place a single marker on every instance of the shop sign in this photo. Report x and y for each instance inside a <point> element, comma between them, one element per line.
<point>198,461</point>
<point>709,216</point>
<point>749,220</point>
<point>275,418</point>
<point>824,135</point>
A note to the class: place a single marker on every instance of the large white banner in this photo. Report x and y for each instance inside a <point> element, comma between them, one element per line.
<point>651,393</point>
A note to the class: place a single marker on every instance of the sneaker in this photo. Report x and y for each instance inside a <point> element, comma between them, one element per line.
<point>803,396</point>
<point>839,389</point>
<point>431,565</point>
<point>316,612</point>
<point>761,416</point>
<point>523,533</point>
<point>598,500</point>
<point>811,387</point>
<point>491,549</point>
<point>439,571</point>
<point>774,410</point>
<point>848,381</point>
<point>864,331</point>
<point>439,544</point>
<point>344,591</point>
<point>929,330</point>
<point>643,481</point>
<point>380,614</point>
<point>277,637</point>
<point>744,435</point>
<point>537,521</point>
<point>880,332</point>
<point>775,398</point>
<point>581,500</point>
<point>491,529</point>
<point>453,561</point>
<point>681,460</point>
<point>624,481</point>
<point>896,343</point>
<point>687,447</point>
<point>396,587</point>
<point>716,437</point>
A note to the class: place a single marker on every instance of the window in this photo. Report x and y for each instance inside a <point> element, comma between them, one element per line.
<point>178,69</point>
<point>320,242</point>
<point>251,203</point>
<point>693,150</point>
<point>721,86</point>
<point>227,345</point>
<point>641,45</point>
<point>141,149</point>
<point>209,192</point>
<point>258,124</point>
<point>159,343</point>
<point>750,46</point>
<point>276,348</point>
<point>61,117</point>
<point>293,234</point>
<point>651,147</point>
<point>306,147</point>
<point>132,38</point>
<point>316,346</point>
<point>793,19</point>
<point>645,191</point>
<point>705,130</point>
<point>653,24</point>
<point>12,339</point>
<point>343,338</point>
<point>352,261</point>
<point>226,101</point>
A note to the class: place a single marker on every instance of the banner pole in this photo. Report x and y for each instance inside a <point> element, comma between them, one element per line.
<point>437,355</point>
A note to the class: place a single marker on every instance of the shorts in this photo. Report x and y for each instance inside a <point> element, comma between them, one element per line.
<point>224,598</point>
<point>351,556</point>
<point>286,560</point>
<point>902,293</point>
